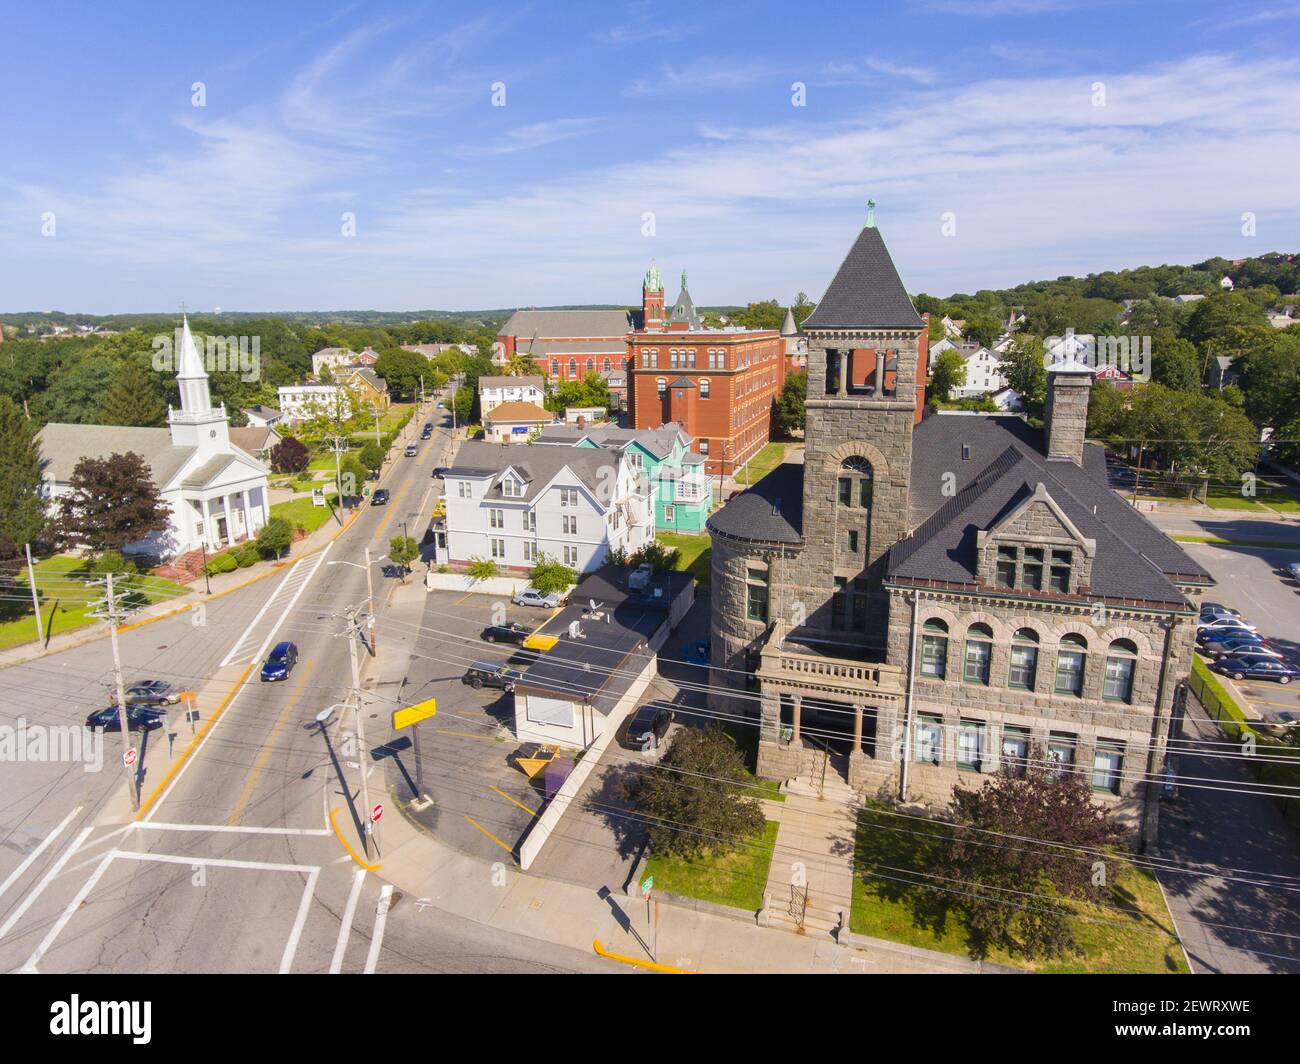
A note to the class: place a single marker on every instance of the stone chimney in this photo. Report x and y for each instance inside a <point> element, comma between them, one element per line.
<point>1066,422</point>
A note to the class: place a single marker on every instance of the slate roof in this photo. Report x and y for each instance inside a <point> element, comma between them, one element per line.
<point>1134,559</point>
<point>769,512</point>
<point>549,323</point>
<point>658,441</point>
<point>866,291</point>
<point>252,439</point>
<point>62,446</point>
<point>512,382</point>
<point>537,465</point>
<point>684,310</point>
<point>571,347</point>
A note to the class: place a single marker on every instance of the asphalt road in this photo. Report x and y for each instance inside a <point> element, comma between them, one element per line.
<point>234,865</point>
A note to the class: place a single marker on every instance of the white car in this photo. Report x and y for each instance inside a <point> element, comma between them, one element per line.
<point>1211,624</point>
<point>532,597</point>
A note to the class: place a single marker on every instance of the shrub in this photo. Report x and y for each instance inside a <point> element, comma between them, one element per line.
<point>482,568</point>
<point>275,538</point>
<point>372,457</point>
<point>222,563</point>
<point>549,576</point>
<point>246,554</point>
<point>656,554</point>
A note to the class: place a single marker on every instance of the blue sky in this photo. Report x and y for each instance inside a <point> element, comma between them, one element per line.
<point>1055,136</point>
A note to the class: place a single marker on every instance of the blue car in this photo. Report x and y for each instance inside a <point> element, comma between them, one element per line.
<point>138,718</point>
<point>1256,668</point>
<point>281,661</point>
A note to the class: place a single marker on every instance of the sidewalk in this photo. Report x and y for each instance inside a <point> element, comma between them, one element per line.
<point>496,893</point>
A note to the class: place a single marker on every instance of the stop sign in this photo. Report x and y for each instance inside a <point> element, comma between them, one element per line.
<point>128,759</point>
<point>376,813</point>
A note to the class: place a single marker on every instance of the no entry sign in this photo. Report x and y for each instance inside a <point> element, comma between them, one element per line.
<point>128,759</point>
<point>376,813</point>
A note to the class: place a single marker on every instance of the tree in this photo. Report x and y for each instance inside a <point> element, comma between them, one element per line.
<point>463,403</point>
<point>801,308</point>
<point>1219,316</point>
<point>947,372</point>
<point>983,329</point>
<point>1174,362</point>
<point>275,537</point>
<point>1045,808</point>
<point>550,576</point>
<point>699,785</point>
<point>654,553</point>
<point>402,551</point>
<point>22,513</point>
<point>372,457</point>
<point>111,503</point>
<point>289,456</point>
<point>352,476</point>
<point>402,371</point>
<point>132,399</point>
<point>1196,436</point>
<point>788,407</point>
<point>1025,368</point>
<point>76,389</point>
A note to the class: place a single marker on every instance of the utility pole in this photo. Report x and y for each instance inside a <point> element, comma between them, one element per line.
<point>36,602</point>
<point>337,443</point>
<point>353,632</point>
<point>370,605</point>
<point>113,613</point>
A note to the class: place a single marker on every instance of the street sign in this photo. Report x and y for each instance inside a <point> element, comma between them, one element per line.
<point>646,885</point>
<point>376,813</point>
<point>128,759</point>
<point>409,715</point>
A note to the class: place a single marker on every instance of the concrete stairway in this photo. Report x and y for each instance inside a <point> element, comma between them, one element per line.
<point>814,849</point>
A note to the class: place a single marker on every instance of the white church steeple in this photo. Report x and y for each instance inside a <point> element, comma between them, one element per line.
<point>197,423</point>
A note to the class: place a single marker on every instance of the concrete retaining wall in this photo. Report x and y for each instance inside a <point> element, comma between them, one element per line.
<point>546,823</point>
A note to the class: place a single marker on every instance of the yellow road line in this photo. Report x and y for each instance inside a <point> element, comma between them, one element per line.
<point>637,961</point>
<point>194,742</point>
<point>265,753</point>
<point>489,834</point>
<point>463,597</point>
<point>392,509</point>
<point>509,799</point>
<point>351,852</point>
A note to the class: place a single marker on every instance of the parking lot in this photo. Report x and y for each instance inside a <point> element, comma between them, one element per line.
<point>1254,581</point>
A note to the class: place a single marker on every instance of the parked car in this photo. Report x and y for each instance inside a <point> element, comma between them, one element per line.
<point>1254,667</point>
<point>380,497</point>
<point>513,632</point>
<point>640,577</point>
<point>441,471</point>
<point>1213,624</point>
<point>1293,571</point>
<point>530,596</point>
<point>1229,648</point>
<point>150,693</point>
<point>490,674</point>
<point>280,662</point>
<point>698,653</point>
<point>428,426</point>
<point>647,726</point>
<point>138,718</point>
<point>411,450</point>
<point>441,406</point>
<point>1219,608</point>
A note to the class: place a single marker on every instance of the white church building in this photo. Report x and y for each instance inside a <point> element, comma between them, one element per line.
<point>217,492</point>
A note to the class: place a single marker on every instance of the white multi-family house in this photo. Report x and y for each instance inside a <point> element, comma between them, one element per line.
<point>514,504</point>
<point>493,391</point>
<point>331,357</point>
<point>984,371</point>
<point>303,402</point>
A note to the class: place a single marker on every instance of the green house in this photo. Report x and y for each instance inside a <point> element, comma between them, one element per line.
<point>665,461</point>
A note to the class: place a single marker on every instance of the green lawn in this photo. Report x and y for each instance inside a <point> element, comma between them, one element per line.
<point>65,604</point>
<point>1269,544</point>
<point>696,553</point>
<point>1132,935</point>
<point>733,877</point>
<point>763,463</point>
<point>300,513</point>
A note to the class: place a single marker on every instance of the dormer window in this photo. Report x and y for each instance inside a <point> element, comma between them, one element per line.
<point>1060,575</point>
<point>511,488</point>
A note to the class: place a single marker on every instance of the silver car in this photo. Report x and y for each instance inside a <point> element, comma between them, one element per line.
<point>532,597</point>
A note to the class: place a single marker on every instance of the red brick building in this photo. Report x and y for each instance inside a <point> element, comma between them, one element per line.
<point>718,384</point>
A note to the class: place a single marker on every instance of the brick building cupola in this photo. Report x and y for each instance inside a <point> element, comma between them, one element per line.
<point>652,299</point>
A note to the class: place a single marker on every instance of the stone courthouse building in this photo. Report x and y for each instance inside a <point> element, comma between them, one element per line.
<point>922,602</point>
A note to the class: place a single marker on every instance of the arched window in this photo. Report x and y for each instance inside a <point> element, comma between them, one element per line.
<point>591,365</point>
<point>662,384</point>
<point>606,368</point>
<point>979,653</point>
<point>1024,659</point>
<point>934,649</point>
<point>704,387</point>
<point>573,368</point>
<point>1070,661</point>
<point>855,482</point>
<point>1121,662</point>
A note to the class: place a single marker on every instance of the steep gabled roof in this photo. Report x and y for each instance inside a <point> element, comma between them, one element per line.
<point>866,292</point>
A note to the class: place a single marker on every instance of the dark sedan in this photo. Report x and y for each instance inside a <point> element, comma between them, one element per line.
<point>280,662</point>
<point>504,633</point>
<point>380,497</point>
<point>1234,648</point>
<point>441,471</point>
<point>1253,667</point>
<point>647,727</point>
<point>138,718</point>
